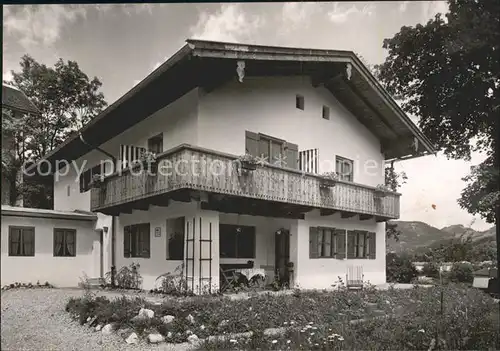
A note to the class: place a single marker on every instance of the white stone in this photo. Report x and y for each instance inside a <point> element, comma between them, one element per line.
<point>146,313</point>
<point>107,329</point>
<point>167,319</point>
<point>88,319</point>
<point>192,339</point>
<point>98,327</point>
<point>223,323</point>
<point>190,318</point>
<point>155,338</point>
<point>132,339</point>
<point>169,335</point>
<point>202,327</point>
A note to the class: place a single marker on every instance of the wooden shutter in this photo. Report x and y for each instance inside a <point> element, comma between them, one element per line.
<point>146,244</point>
<point>351,244</point>
<point>313,242</point>
<point>292,156</point>
<point>341,249</point>
<point>363,235</point>
<point>126,241</point>
<point>372,237</point>
<point>252,143</point>
<point>14,241</point>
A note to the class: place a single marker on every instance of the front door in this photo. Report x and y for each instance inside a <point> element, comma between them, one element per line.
<point>282,256</point>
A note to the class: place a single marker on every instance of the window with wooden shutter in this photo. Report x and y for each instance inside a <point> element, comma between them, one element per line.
<point>351,244</point>
<point>292,156</point>
<point>126,240</point>
<point>252,143</point>
<point>372,242</point>
<point>340,235</point>
<point>313,242</point>
<point>21,241</point>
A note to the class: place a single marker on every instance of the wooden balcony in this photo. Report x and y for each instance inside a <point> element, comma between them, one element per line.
<point>188,172</point>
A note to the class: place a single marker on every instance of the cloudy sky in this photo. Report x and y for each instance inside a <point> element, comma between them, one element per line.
<point>121,44</point>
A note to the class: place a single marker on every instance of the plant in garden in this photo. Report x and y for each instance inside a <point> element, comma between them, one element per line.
<point>430,269</point>
<point>127,277</point>
<point>174,283</point>
<point>399,269</point>
<point>461,273</point>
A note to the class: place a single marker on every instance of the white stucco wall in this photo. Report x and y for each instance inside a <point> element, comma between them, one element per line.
<point>176,121</point>
<point>267,105</point>
<point>321,273</point>
<point>59,271</point>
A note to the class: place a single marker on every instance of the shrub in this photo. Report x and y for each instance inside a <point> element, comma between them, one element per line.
<point>399,269</point>
<point>431,270</point>
<point>127,277</point>
<point>461,273</point>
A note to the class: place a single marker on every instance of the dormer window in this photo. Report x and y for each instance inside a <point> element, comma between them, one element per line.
<point>299,102</point>
<point>155,144</point>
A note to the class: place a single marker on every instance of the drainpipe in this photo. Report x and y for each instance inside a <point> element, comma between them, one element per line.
<point>113,218</point>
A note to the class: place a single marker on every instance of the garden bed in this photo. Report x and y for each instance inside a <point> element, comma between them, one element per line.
<point>297,316</point>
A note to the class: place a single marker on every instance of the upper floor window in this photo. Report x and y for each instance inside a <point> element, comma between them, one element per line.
<point>175,238</point>
<point>21,241</point>
<point>344,168</point>
<point>326,112</point>
<point>236,241</point>
<point>136,240</point>
<point>155,144</point>
<point>86,177</point>
<point>64,242</point>
<point>299,102</point>
<point>275,151</point>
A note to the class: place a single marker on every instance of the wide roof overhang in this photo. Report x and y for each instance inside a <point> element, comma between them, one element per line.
<point>209,64</point>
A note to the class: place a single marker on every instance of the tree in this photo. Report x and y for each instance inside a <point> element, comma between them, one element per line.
<point>67,100</point>
<point>447,73</point>
<point>431,270</point>
<point>393,180</point>
<point>461,273</point>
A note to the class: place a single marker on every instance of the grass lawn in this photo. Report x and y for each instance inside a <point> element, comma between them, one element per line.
<point>314,319</point>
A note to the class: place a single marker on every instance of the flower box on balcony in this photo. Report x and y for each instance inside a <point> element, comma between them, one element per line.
<point>328,180</point>
<point>97,181</point>
<point>248,162</point>
<point>149,161</point>
<point>381,191</point>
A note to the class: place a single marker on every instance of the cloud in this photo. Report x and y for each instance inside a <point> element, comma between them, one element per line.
<point>40,24</point>
<point>339,15</point>
<point>296,15</point>
<point>7,76</point>
<point>230,24</point>
<point>431,8</point>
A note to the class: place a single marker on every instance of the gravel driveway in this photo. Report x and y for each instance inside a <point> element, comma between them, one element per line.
<point>35,319</point>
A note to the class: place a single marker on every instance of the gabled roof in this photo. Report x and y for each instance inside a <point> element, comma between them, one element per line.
<point>17,100</point>
<point>209,64</point>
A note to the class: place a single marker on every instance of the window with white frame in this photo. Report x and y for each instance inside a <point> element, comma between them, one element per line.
<point>344,168</point>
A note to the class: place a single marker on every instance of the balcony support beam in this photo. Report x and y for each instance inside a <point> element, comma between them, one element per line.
<point>364,217</point>
<point>327,212</point>
<point>344,214</point>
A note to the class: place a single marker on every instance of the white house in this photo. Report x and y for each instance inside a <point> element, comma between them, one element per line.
<point>302,112</point>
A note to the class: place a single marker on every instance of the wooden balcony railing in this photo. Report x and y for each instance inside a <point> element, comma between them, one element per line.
<point>190,167</point>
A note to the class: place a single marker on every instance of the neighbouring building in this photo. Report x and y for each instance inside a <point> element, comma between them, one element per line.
<point>16,103</point>
<point>298,113</point>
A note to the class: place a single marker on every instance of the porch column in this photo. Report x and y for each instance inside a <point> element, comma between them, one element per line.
<point>201,255</point>
<point>295,232</point>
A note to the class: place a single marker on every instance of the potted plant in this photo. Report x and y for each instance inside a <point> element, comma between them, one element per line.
<point>328,179</point>
<point>97,181</point>
<point>381,190</point>
<point>148,159</point>
<point>248,162</point>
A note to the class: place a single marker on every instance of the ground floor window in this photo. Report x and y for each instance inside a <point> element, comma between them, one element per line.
<point>64,242</point>
<point>21,241</point>
<point>136,240</point>
<point>175,238</point>
<point>361,244</point>
<point>236,241</point>
<point>326,242</point>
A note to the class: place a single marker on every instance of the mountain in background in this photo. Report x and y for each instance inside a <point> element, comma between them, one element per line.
<point>418,236</point>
